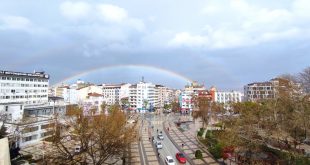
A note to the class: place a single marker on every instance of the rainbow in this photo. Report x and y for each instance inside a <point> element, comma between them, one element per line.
<point>140,66</point>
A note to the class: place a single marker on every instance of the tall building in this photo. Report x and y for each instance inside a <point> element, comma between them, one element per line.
<point>164,95</point>
<point>111,93</point>
<point>142,96</point>
<point>26,88</point>
<point>28,111</point>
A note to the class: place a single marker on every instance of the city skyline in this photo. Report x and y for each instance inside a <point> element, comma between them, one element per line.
<point>223,43</point>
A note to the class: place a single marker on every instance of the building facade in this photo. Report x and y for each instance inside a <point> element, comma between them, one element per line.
<point>25,105</point>
<point>26,88</point>
<point>143,96</point>
<point>270,89</point>
<point>111,93</point>
<point>226,97</point>
<point>164,95</point>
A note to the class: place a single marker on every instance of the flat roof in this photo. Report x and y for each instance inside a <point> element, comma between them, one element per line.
<point>23,74</point>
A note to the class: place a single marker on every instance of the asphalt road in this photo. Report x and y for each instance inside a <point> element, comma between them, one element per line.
<point>156,122</point>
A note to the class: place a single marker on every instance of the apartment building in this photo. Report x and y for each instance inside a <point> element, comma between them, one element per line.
<point>185,98</point>
<point>270,89</point>
<point>25,105</point>
<point>164,95</point>
<point>143,96</point>
<point>26,88</point>
<point>226,97</point>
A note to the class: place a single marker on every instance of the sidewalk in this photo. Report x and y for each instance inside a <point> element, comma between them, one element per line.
<point>142,152</point>
<point>190,144</point>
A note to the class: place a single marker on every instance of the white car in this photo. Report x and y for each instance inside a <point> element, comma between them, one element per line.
<point>160,136</point>
<point>77,149</point>
<point>169,160</point>
<point>159,145</point>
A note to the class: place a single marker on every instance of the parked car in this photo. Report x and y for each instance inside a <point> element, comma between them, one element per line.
<point>159,145</point>
<point>77,149</point>
<point>180,157</point>
<point>307,141</point>
<point>169,160</point>
<point>160,136</point>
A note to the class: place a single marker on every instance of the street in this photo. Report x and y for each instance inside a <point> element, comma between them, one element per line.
<point>156,123</point>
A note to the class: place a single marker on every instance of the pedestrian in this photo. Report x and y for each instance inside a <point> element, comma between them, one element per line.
<point>168,128</point>
<point>182,145</point>
<point>158,154</point>
<point>157,130</point>
<point>149,138</point>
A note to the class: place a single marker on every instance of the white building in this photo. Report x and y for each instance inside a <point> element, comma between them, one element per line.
<point>92,105</point>
<point>26,88</point>
<point>185,99</point>
<point>228,97</point>
<point>143,96</point>
<point>111,93</point>
<point>26,106</point>
<point>114,93</point>
<point>82,92</point>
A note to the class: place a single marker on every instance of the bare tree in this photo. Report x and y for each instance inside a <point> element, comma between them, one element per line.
<point>202,109</point>
<point>102,139</point>
<point>304,78</point>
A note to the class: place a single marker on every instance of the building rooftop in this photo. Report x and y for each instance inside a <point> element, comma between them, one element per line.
<point>23,74</point>
<point>95,94</point>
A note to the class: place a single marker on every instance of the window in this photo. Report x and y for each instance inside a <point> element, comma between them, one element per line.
<point>30,129</point>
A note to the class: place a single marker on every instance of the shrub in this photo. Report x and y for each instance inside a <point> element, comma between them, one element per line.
<point>216,150</point>
<point>200,133</point>
<point>209,135</point>
<point>198,154</point>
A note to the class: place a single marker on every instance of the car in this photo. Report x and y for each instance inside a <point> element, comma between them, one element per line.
<point>180,157</point>
<point>169,160</point>
<point>160,137</point>
<point>306,141</point>
<point>77,149</point>
<point>159,145</point>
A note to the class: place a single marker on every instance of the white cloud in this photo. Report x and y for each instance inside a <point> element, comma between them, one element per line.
<point>15,22</point>
<point>240,23</point>
<point>301,8</point>
<point>187,39</point>
<point>210,9</point>
<point>75,10</point>
<point>112,13</point>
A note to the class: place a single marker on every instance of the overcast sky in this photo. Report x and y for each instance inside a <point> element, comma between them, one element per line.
<point>225,43</point>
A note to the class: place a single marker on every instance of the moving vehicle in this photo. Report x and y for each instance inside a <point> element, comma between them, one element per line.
<point>169,160</point>
<point>159,145</point>
<point>180,157</point>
